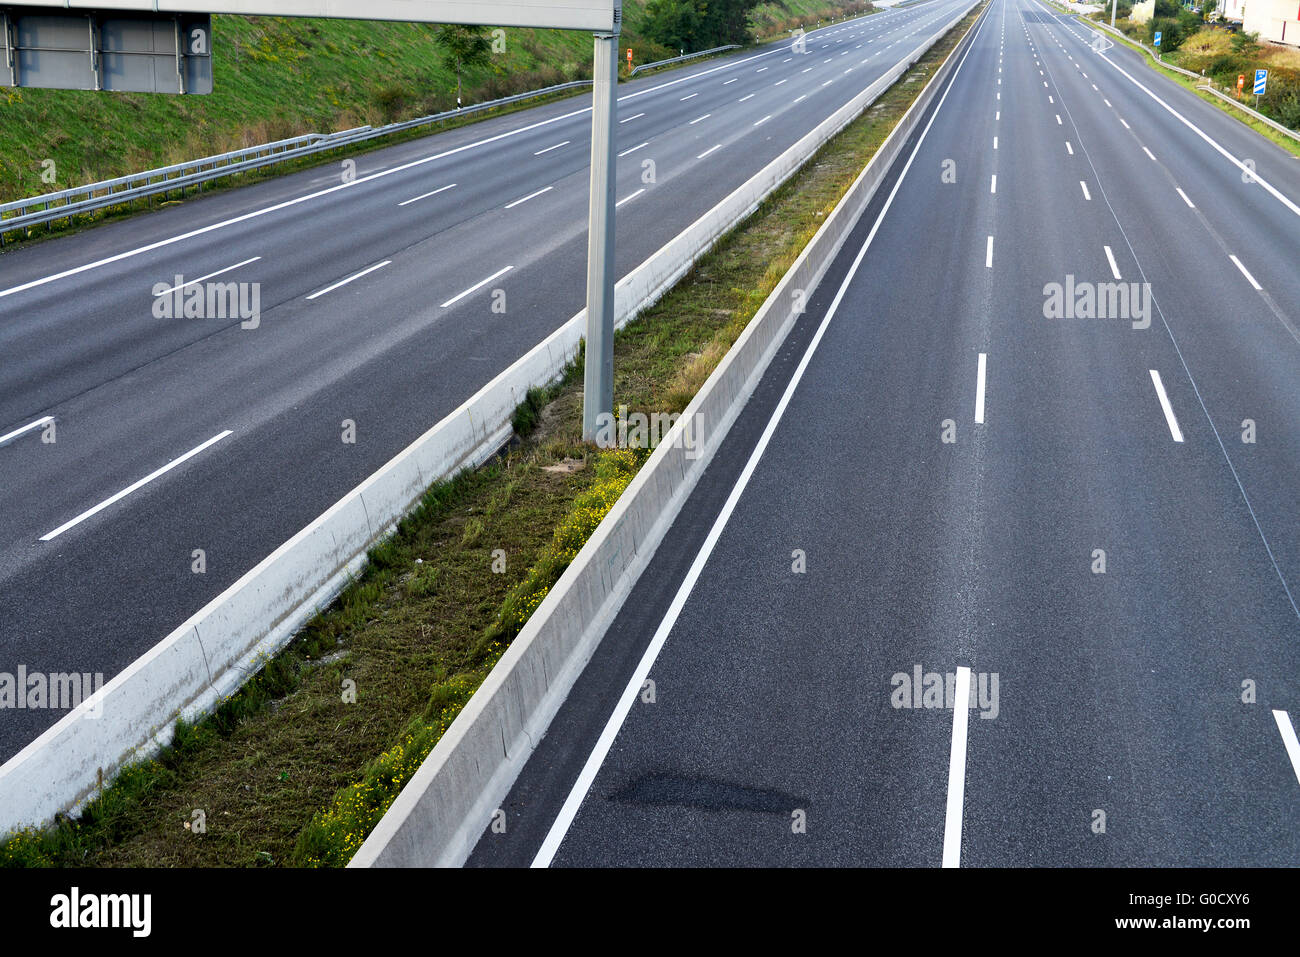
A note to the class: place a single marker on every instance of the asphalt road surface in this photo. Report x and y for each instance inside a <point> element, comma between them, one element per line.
<point>1107,549</point>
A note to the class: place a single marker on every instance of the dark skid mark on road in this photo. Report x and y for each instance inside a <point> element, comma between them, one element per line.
<point>708,794</point>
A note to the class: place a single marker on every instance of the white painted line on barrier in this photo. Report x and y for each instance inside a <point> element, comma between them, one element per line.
<point>134,486</point>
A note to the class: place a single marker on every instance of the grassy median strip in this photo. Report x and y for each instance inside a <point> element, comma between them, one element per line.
<point>298,766</point>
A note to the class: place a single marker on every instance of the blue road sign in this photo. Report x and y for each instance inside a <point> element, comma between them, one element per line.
<point>1157,40</point>
<point>1261,81</point>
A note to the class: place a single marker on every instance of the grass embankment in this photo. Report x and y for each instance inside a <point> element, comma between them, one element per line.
<point>276,77</point>
<point>1213,53</point>
<point>289,771</point>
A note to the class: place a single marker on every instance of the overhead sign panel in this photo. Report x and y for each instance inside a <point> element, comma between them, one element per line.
<point>125,51</point>
<point>598,16</point>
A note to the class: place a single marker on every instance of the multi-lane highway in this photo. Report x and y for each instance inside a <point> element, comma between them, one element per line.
<point>377,303</point>
<point>1086,512</point>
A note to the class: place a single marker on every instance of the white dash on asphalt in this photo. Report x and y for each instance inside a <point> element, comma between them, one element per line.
<point>749,97</point>
<point>763,120</point>
<point>208,276</point>
<point>476,287</point>
<point>632,150</point>
<point>1185,199</point>
<point>43,420</point>
<point>1106,101</point>
<point>993,185</point>
<point>1125,122</point>
<point>538,153</point>
<point>988,254</point>
<point>546,189</point>
<point>1058,120</point>
<point>980,377</point>
<point>1086,194</point>
<point>1174,430</point>
<point>1245,272</point>
<point>708,151</point>
<point>344,282</point>
<point>997,115</point>
<point>1068,148</point>
<point>779,82</point>
<point>734,79</point>
<point>1110,257</point>
<point>628,199</point>
<point>995,142</point>
<point>131,488</point>
<point>957,770</point>
<point>699,119</point>
<point>631,118</point>
<point>1287,730</point>
<point>804,97</point>
<point>688,96</point>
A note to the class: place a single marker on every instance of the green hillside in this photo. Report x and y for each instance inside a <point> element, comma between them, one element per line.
<point>277,77</point>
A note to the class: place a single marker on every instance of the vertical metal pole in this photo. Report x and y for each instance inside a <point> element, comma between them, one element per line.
<point>1112,12</point>
<point>598,372</point>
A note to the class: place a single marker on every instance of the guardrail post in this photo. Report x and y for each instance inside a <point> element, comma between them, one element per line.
<point>598,370</point>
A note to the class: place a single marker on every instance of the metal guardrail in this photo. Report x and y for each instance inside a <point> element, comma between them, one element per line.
<point>24,213</point>
<point>1207,85</point>
<point>680,59</point>
<point>1255,113</point>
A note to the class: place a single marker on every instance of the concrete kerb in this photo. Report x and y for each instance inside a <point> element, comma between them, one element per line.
<point>445,806</point>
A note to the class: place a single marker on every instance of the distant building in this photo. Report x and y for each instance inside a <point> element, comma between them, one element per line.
<point>1276,20</point>
<point>1231,9</point>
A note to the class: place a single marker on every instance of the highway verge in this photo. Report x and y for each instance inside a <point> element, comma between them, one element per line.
<point>299,764</point>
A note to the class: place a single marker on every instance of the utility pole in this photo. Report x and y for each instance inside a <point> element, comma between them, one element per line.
<point>598,370</point>
<point>1112,13</point>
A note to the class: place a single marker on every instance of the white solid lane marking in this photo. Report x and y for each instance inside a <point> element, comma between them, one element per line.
<point>476,287</point>
<point>1174,430</point>
<point>582,785</point>
<point>1086,195</point>
<point>355,276</point>
<point>988,254</point>
<point>1245,272</point>
<point>1149,153</point>
<point>208,276</point>
<point>131,488</point>
<point>443,189</point>
<point>980,377</point>
<point>547,150</point>
<point>628,199</point>
<point>547,189</point>
<point>1185,199</point>
<point>957,770</point>
<point>624,153</point>
<point>699,119</point>
<point>1287,730</point>
<point>43,420</point>
<point>1114,266</point>
<point>708,151</point>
